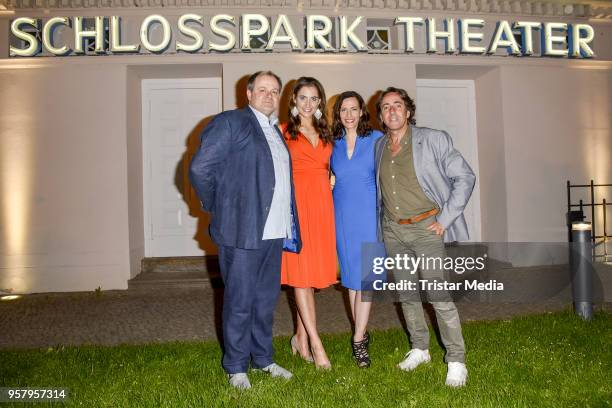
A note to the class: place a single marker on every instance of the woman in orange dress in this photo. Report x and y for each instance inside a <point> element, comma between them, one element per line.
<point>310,144</point>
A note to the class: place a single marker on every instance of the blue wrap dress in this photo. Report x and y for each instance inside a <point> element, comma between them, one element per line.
<point>354,206</point>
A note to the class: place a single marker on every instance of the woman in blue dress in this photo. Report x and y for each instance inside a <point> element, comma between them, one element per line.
<point>352,163</point>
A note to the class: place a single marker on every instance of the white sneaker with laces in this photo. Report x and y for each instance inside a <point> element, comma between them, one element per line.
<point>414,358</point>
<point>239,380</point>
<point>456,375</point>
<point>277,371</point>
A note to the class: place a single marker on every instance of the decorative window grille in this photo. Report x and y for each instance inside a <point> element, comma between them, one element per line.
<point>378,38</point>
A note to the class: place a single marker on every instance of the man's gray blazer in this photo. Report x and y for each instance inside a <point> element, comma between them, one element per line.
<point>443,174</point>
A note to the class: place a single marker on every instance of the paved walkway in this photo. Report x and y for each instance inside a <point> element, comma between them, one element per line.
<point>117,317</point>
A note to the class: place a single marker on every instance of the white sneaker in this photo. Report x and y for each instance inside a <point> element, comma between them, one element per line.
<point>239,380</point>
<point>414,358</point>
<point>277,371</point>
<point>456,375</point>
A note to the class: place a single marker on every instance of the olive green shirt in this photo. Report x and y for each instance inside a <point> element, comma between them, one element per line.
<point>402,194</point>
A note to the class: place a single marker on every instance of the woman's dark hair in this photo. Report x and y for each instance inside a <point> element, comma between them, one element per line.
<point>410,105</point>
<point>363,127</point>
<point>320,125</point>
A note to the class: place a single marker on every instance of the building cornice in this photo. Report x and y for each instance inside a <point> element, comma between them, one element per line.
<point>483,7</point>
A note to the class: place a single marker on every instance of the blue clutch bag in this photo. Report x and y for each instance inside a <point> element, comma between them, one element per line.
<point>291,244</point>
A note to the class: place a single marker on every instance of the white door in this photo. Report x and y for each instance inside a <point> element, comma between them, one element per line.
<point>174,112</point>
<point>450,105</point>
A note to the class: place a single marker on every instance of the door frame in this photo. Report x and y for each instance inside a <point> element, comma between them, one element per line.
<point>468,84</point>
<point>147,86</point>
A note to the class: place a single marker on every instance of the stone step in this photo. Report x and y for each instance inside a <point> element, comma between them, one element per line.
<point>208,265</point>
<point>186,272</point>
<point>148,281</point>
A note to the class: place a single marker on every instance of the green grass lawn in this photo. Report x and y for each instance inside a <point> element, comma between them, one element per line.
<point>552,360</point>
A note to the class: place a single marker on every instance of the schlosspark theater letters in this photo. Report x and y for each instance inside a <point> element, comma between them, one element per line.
<point>464,36</point>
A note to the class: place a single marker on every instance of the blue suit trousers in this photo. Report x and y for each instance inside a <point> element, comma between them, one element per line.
<point>252,286</point>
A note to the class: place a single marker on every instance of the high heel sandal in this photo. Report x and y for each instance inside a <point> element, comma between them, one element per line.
<point>360,351</point>
<point>325,366</point>
<point>366,338</point>
<point>295,350</point>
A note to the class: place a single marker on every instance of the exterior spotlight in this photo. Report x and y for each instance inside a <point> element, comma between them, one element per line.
<point>10,297</point>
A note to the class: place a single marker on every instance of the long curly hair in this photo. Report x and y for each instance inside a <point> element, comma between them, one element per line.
<point>363,127</point>
<point>320,124</point>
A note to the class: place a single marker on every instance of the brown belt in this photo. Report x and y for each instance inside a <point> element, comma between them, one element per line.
<point>418,217</point>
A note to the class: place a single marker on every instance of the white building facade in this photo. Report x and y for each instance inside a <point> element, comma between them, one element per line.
<point>96,130</point>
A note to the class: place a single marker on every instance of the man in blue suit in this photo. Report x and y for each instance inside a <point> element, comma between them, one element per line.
<point>242,175</point>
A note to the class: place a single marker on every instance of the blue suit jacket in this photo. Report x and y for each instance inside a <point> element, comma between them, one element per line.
<point>233,176</point>
<point>444,175</point>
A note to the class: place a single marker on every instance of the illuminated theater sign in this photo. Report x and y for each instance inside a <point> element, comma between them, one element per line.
<point>464,36</point>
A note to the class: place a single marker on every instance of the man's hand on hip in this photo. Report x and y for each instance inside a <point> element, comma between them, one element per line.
<point>437,228</point>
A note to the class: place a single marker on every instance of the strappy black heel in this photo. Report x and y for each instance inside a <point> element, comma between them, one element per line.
<point>360,351</point>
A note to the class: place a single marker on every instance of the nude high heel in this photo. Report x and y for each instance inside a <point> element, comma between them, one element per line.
<point>322,366</point>
<point>295,350</point>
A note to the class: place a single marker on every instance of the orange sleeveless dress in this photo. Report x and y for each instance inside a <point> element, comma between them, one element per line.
<point>316,265</point>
